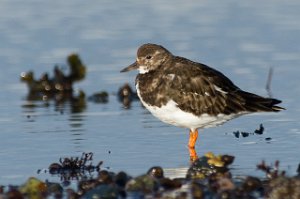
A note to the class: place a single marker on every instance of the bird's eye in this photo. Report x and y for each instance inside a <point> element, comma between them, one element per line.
<point>148,57</point>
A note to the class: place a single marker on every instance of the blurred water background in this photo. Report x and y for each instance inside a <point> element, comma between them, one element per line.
<point>243,39</point>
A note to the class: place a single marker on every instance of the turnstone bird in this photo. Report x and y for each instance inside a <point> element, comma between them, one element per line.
<point>188,94</point>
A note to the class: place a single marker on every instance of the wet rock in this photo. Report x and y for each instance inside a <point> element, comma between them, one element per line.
<point>225,184</point>
<point>156,172</point>
<point>126,95</point>
<point>105,191</point>
<point>170,184</point>
<point>71,194</point>
<point>121,179</point>
<point>1,190</point>
<point>208,177</point>
<point>277,185</point>
<point>55,189</point>
<point>197,190</point>
<point>200,169</point>
<point>180,193</point>
<point>209,164</point>
<point>34,188</point>
<point>55,168</point>
<point>86,185</point>
<point>13,193</point>
<point>252,184</point>
<point>105,177</point>
<point>144,184</point>
<point>284,187</point>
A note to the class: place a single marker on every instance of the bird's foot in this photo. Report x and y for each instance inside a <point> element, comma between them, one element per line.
<point>193,154</point>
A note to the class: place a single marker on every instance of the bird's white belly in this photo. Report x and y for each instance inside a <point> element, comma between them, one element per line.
<point>172,114</point>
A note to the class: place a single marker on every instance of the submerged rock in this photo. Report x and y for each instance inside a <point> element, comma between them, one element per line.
<point>126,95</point>
<point>100,97</point>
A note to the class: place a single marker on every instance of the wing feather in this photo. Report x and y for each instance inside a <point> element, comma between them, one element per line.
<point>203,89</point>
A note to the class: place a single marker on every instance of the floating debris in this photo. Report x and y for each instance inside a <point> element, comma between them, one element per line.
<point>258,131</point>
<point>245,134</point>
<point>268,139</point>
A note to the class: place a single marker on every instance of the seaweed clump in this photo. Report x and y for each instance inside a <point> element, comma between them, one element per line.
<point>46,87</point>
<point>70,168</point>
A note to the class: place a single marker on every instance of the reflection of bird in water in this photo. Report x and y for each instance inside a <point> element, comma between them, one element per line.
<point>190,94</point>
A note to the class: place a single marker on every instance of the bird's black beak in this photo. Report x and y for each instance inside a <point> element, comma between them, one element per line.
<point>133,66</point>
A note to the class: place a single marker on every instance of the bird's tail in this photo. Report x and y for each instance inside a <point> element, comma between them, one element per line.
<point>256,103</point>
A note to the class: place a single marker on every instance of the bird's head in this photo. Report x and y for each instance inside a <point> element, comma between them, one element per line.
<point>149,57</point>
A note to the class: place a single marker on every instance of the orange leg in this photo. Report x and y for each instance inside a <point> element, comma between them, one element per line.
<point>193,138</point>
<point>192,142</point>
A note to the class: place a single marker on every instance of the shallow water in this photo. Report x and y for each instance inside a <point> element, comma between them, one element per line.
<point>241,39</point>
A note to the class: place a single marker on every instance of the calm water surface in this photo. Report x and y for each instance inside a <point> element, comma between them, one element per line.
<point>243,40</point>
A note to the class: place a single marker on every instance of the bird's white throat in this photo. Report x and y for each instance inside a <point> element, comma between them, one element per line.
<point>143,69</point>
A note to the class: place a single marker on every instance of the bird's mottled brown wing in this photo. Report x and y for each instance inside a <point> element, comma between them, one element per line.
<point>198,89</point>
<point>202,89</point>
